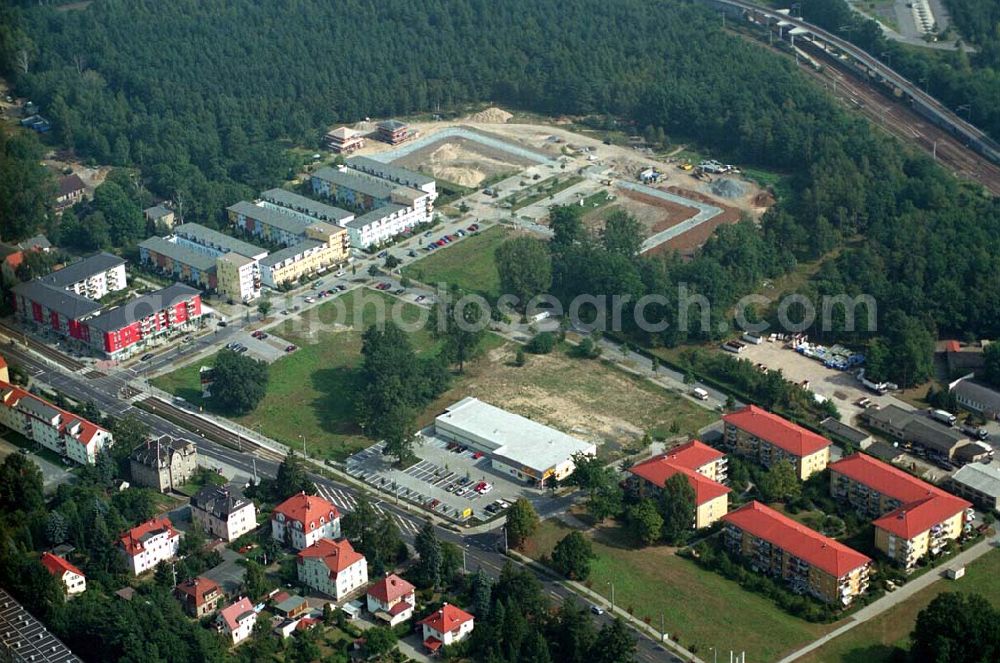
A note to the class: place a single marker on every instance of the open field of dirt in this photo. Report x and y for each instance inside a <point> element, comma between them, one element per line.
<point>462,162</point>
<point>695,237</point>
<point>654,214</point>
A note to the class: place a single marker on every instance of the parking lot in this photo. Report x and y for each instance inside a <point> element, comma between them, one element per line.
<point>839,386</point>
<point>444,480</point>
<point>265,346</point>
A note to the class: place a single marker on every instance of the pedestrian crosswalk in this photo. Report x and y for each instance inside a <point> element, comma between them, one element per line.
<point>346,502</point>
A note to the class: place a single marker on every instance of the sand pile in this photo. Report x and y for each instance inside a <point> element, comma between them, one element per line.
<point>491,115</point>
<point>728,188</point>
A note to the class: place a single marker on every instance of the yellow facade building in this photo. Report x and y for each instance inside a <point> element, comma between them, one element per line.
<point>702,466</point>
<point>766,438</point>
<point>807,561</point>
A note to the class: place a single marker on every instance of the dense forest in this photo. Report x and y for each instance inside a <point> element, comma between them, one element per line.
<point>203,96</point>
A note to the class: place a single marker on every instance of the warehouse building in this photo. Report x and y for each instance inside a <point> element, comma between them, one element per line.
<point>518,447</point>
<point>978,483</point>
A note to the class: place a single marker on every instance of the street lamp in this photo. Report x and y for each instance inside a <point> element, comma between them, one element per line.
<point>612,596</point>
<point>715,654</point>
<point>303,438</point>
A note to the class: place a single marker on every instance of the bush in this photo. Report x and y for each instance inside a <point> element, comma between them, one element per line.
<point>542,344</point>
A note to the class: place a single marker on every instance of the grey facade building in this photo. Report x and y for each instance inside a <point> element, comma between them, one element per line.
<point>223,512</point>
<point>164,463</point>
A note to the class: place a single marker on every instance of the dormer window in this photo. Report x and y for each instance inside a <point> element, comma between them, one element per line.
<point>281,517</point>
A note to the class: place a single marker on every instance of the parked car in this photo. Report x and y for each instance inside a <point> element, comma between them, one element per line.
<point>222,323</point>
<point>420,298</point>
<point>262,336</point>
<point>383,254</point>
<point>433,504</point>
<point>411,253</point>
<point>428,233</point>
<point>242,349</point>
<point>290,348</point>
<point>597,610</point>
<point>147,356</point>
<point>341,287</point>
<point>487,487</point>
<point>310,300</point>
<point>400,291</point>
<point>477,455</point>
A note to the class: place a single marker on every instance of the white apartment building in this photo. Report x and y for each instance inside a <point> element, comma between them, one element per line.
<point>383,224</point>
<point>333,567</point>
<point>52,427</point>
<point>223,512</point>
<point>146,545</point>
<point>302,520</point>
<point>92,277</point>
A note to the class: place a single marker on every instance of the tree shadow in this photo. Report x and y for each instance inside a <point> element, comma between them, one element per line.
<point>875,654</point>
<point>335,407</point>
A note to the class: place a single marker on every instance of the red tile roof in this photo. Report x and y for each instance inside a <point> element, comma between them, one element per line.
<point>58,566</point>
<point>924,505</point>
<point>796,539</point>
<point>132,540</point>
<point>780,432</point>
<point>337,555</point>
<point>11,395</point>
<point>231,614</point>
<point>306,623</point>
<point>685,460</point>
<point>197,588</point>
<point>307,509</point>
<point>447,618</point>
<point>953,346</point>
<point>390,588</point>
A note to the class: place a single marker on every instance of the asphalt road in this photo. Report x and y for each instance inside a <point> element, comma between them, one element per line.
<point>481,550</point>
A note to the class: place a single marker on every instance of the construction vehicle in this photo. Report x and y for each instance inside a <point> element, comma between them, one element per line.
<point>687,166</point>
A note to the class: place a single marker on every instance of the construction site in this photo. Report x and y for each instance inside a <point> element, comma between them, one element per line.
<point>523,168</point>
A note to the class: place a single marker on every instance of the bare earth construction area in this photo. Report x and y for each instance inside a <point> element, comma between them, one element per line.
<point>462,161</point>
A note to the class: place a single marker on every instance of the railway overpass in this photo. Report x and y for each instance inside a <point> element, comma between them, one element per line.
<point>864,65</point>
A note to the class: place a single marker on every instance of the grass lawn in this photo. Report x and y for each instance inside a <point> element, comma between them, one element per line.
<point>467,264</point>
<point>311,391</point>
<point>877,640</point>
<point>700,608</point>
<point>542,191</point>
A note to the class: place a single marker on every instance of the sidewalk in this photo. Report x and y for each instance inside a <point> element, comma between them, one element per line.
<point>598,599</point>
<point>895,598</point>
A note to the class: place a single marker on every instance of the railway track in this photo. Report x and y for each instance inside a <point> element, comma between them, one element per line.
<point>207,428</point>
<point>50,353</point>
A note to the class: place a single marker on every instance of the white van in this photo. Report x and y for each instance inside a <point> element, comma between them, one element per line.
<point>700,394</point>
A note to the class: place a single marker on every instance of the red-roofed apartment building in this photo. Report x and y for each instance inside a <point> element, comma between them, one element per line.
<point>72,578</point>
<point>302,520</point>
<point>149,543</point>
<point>50,426</point>
<point>913,518</point>
<point>446,626</point>
<point>200,596</point>
<point>702,466</point>
<point>237,620</point>
<point>767,438</point>
<point>392,599</point>
<point>808,561</point>
<point>333,567</point>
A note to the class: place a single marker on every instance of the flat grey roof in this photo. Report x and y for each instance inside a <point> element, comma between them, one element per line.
<point>142,307</point>
<point>26,638</point>
<point>840,429</point>
<point>374,215</point>
<point>299,203</point>
<point>179,253</point>
<point>511,436</point>
<point>64,302</point>
<point>213,238</point>
<point>82,269</point>
<point>357,181</point>
<point>389,172</point>
<point>290,252</point>
<point>271,217</point>
<point>982,478</point>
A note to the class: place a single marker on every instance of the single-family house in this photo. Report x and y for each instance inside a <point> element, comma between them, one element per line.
<point>392,599</point>
<point>445,626</point>
<point>333,567</point>
<point>72,578</point>
<point>237,620</point>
